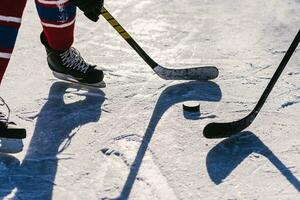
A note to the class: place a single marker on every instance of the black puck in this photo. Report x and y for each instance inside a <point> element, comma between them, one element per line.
<point>191,107</point>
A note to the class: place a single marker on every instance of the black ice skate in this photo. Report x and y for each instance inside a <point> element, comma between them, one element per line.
<point>70,66</point>
<point>9,129</point>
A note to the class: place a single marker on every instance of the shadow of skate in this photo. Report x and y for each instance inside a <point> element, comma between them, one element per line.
<point>190,91</point>
<point>7,164</point>
<point>230,153</point>
<point>8,145</point>
<point>55,126</point>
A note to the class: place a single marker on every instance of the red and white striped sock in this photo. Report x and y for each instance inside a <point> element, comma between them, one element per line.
<point>58,19</point>
<point>11,12</point>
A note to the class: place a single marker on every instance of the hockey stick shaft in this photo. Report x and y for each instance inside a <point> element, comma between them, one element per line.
<point>220,130</point>
<point>115,24</point>
<point>278,72</point>
<point>195,73</point>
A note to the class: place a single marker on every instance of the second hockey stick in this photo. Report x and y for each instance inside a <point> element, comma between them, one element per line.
<point>196,73</point>
<point>221,130</point>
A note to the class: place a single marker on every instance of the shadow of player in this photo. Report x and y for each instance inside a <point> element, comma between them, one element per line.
<point>55,125</point>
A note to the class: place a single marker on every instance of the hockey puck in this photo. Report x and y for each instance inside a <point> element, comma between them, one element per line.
<point>191,107</point>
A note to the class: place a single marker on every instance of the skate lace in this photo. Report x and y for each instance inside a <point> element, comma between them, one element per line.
<point>3,117</point>
<point>72,59</point>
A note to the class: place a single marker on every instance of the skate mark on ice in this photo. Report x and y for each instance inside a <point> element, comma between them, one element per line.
<point>121,154</point>
<point>226,156</point>
<point>291,103</point>
<point>293,73</point>
<point>190,91</point>
<point>111,152</point>
<point>275,52</point>
<point>129,137</point>
<point>117,147</point>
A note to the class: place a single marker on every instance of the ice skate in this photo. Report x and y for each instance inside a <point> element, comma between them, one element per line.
<point>70,66</point>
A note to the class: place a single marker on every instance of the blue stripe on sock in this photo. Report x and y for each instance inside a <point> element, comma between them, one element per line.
<point>8,36</point>
<point>56,14</point>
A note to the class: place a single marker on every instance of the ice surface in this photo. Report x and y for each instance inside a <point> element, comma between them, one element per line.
<point>131,139</point>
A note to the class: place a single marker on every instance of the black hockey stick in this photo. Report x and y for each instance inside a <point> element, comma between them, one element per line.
<point>196,73</point>
<point>221,130</point>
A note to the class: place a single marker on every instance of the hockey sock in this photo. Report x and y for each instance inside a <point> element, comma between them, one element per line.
<point>11,12</point>
<point>58,19</point>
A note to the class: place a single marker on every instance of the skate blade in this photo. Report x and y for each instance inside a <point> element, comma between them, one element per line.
<point>13,133</point>
<point>71,79</point>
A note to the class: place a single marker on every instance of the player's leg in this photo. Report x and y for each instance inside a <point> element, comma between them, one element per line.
<point>58,19</point>
<point>11,12</point>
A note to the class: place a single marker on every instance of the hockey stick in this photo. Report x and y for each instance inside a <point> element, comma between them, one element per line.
<point>197,73</point>
<point>221,130</point>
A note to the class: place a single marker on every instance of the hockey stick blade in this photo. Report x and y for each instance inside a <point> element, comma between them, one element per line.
<point>221,130</point>
<point>197,73</point>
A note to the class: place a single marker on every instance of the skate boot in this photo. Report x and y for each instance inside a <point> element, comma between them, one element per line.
<point>9,129</point>
<point>70,66</point>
